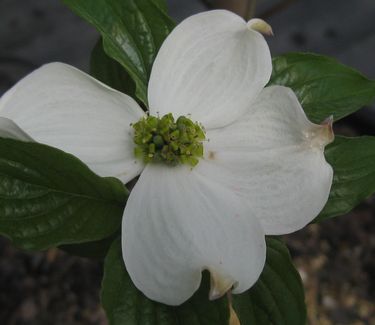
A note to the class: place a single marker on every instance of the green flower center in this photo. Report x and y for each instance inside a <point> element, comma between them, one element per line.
<point>164,140</point>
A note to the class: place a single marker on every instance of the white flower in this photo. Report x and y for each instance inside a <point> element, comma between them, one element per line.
<point>263,170</point>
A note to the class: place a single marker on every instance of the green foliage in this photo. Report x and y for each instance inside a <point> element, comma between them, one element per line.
<point>109,71</point>
<point>132,31</point>
<point>277,298</point>
<point>50,198</point>
<point>353,160</point>
<point>324,86</point>
<point>96,250</point>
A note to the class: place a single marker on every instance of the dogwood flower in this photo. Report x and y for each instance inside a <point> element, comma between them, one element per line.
<point>223,160</point>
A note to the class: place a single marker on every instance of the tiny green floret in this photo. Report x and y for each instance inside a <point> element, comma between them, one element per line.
<point>164,140</point>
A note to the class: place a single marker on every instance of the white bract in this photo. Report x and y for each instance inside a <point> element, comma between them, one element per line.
<point>263,170</point>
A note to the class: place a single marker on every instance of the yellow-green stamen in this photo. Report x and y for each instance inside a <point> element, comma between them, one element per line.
<point>164,140</point>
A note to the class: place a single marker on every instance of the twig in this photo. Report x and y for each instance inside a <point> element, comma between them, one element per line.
<point>277,8</point>
<point>250,9</point>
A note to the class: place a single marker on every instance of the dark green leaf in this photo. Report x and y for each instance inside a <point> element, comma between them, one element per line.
<point>353,162</point>
<point>96,250</point>
<point>109,71</point>
<point>132,31</point>
<point>324,86</point>
<point>124,304</point>
<point>50,198</point>
<point>162,4</point>
<point>277,298</point>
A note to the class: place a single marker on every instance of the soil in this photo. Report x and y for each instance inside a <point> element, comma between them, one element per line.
<point>48,288</point>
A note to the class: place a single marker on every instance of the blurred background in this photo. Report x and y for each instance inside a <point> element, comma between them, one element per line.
<point>335,260</point>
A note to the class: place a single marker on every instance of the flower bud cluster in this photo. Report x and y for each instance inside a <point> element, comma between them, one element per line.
<point>164,140</point>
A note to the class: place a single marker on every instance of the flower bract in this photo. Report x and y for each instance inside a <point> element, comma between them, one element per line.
<point>254,164</point>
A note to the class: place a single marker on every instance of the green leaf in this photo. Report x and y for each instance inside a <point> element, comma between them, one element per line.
<point>49,198</point>
<point>277,298</point>
<point>96,250</point>
<point>324,86</point>
<point>162,4</point>
<point>132,31</point>
<point>353,162</point>
<point>109,71</point>
<point>124,304</point>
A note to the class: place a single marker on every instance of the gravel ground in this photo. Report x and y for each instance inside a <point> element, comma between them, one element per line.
<point>48,288</point>
<point>336,262</point>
